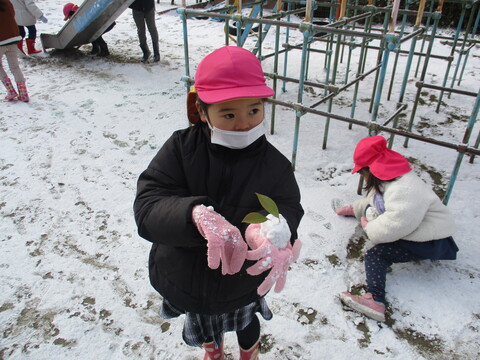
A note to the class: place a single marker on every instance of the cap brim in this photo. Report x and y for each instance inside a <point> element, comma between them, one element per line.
<point>246,92</point>
<point>357,168</point>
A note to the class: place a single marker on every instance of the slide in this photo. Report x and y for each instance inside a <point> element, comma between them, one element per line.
<point>87,24</point>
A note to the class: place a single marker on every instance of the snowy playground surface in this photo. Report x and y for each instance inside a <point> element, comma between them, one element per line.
<point>73,271</point>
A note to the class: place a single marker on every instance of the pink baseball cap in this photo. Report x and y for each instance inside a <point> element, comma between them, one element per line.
<point>229,73</point>
<point>383,162</point>
<point>67,8</point>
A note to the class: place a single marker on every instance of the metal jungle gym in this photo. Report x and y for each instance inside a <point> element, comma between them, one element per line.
<point>347,27</point>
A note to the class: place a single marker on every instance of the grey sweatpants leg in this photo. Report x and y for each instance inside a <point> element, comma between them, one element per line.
<point>147,18</point>
<point>152,27</point>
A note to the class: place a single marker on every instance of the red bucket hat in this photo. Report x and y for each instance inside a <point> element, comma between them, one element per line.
<point>228,73</point>
<point>384,163</point>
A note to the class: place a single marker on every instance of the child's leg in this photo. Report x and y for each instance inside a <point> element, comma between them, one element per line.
<point>250,335</point>
<point>377,261</point>
<point>21,29</point>
<point>139,19</point>
<point>11,54</point>
<point>102,45</point>
<point>32,32</point>
<point>152,28</point>
<point>3,50</point>
<point>211,352</point>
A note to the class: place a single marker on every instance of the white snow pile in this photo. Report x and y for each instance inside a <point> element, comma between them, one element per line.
<point>276,230</point>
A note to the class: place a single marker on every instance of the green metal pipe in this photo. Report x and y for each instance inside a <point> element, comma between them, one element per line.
<point>285,61</point>
<point>464,64</point>
<point>391,43</point>
<point>299,108</point>
<point>360,69</point>
<point>427,26</point>
<point>464,42</point>
<point>379,60</point>
<point>306,35</point>
<point>424,72</point>
<point>452,53</point>
<point>466,138</point>
<point>397,53</point>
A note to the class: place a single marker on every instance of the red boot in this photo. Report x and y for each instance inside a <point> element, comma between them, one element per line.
<point>20,46</point>
<point>211,353</point>
<point>31,47</point>
<point>250,354</point>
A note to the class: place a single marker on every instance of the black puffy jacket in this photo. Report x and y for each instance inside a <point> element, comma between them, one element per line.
<point>189,170</point>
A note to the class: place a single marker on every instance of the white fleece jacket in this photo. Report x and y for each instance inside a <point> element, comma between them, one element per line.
<point>412,212</point>
<point>26,12</point>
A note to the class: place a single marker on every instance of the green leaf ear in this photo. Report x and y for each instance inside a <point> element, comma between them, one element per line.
<point>268,204</point>
<point>254,218</point>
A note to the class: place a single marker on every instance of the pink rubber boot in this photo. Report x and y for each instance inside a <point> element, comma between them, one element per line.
<point>12,94</point>
<point>250,354</point>
<point>211,353</point>
<point>22,90</point>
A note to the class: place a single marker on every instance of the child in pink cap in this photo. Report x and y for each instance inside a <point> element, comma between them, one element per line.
<point>193,196</point>
<point>402,217</point>
<point>99,45</point>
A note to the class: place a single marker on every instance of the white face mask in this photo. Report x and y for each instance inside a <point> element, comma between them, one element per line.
<point>236,139</point>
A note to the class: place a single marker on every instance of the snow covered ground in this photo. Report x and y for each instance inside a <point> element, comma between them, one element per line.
<point>73,271</point>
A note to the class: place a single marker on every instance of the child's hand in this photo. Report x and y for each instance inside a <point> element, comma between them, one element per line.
<point>43,19</point>
<point>364,222</point>
<point>340,209</point>
<point>269,256</point>
<point>224,240</point>
<point>346,210</point>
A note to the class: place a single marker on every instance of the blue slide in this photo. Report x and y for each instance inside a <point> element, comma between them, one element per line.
<point>87,24</point>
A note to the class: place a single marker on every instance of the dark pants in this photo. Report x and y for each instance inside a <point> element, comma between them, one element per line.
<point>99,42</point>
<point>141,18</point>
<point>99,45</point>
<point>32,31</point>
<point>377,261</point>
<point>247,337</point>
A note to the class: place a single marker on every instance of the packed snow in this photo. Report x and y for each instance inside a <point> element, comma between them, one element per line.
<point>276,230</point>
<point>74,276</point>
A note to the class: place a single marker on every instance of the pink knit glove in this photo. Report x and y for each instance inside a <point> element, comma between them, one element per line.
<point>269,256</point>
<point>364,222</point>
<point>224,240</point>
<point>346,210</point>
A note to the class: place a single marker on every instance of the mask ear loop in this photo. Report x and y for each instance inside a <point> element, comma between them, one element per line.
<point>210,126</point>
